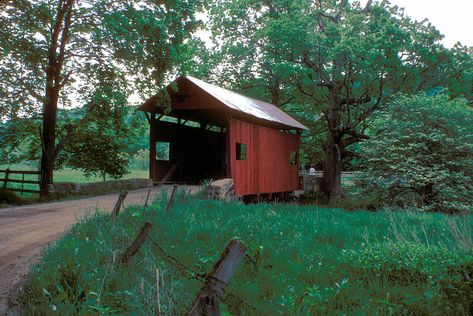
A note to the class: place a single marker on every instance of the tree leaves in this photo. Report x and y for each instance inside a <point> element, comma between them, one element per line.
<point>425,146</point>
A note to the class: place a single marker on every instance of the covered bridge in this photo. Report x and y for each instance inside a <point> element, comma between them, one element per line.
<point>214,133</point>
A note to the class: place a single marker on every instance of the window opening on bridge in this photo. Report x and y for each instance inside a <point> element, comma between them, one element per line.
<point>162,151</point>
<point>293,157</point>
<point>240,151</point>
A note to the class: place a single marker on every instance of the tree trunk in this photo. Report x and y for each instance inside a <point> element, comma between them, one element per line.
<point>48,155</point>
<point>54,84</point>
<point>332,179</point>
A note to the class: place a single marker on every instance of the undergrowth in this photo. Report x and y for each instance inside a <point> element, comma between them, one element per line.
<point>301,260</point>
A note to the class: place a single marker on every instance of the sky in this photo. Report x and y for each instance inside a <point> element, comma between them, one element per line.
<point>453,18</point>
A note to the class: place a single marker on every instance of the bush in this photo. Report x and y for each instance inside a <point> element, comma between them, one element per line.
<point>422,153</point>
<point>9,197</point>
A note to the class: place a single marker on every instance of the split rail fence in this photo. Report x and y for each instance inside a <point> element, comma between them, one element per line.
<point>15,180</point>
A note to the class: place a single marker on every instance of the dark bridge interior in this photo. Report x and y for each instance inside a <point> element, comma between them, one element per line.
<point>188,151</point>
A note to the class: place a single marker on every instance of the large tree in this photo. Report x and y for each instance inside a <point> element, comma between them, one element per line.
<point>337,58</point>
<point>51,48</point>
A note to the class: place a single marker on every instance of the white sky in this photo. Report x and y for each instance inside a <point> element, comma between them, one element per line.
<point>453,18</point>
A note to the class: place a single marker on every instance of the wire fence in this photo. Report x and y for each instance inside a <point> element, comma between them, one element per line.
<point>205,280</point>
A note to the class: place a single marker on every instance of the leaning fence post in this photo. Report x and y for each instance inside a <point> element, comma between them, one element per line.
<point>187,196</point>
<point>171,198</point>
<point>147,199</point>
<point>207,301</point>
<point>7,173</point>
<point>135,246</point>
<point>119,203</point>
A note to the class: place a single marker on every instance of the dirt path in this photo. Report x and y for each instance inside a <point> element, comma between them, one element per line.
<point>25,230</point>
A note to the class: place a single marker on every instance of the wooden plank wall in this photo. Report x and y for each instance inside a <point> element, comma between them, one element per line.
<point>267,168</point>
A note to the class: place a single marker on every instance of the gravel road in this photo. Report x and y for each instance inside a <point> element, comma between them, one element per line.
<point>25,230</point>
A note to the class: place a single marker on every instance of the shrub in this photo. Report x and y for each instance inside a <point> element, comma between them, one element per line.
<point>9,197</point>
<point>422,153</point>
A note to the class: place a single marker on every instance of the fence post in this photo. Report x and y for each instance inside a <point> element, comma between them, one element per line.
<point>7,173</point>
<point>187,196</point>
<point>135,246</point>
<point>22,183</point>
<point>171,198</point>
<point>207,301</point>
<point>119,203</point>
<point>147,199</point>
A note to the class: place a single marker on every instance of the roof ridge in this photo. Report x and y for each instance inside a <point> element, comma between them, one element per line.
<point>241,94</point>
<point>259,105</point>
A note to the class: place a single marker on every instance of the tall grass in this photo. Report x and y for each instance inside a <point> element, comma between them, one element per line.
<point>301,260</point>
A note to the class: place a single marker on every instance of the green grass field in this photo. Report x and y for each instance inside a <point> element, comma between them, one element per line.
<point>71,175</point>
<point>302,260</point>
<point>63,175</point>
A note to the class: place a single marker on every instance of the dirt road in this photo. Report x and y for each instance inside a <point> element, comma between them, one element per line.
<point>25,230</point>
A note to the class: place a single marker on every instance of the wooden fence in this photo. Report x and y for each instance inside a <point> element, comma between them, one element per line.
<point>18,176</point>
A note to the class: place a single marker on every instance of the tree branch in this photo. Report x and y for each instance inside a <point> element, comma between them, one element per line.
<point>367,8</point>
<point>69,131</point>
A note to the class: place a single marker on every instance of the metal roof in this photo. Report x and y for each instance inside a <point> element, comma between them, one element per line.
<point>260,109</point>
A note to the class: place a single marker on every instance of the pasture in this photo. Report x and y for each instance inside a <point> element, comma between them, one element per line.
<point>301,260</point>
<point>65,174</point>
<point>70,175</point>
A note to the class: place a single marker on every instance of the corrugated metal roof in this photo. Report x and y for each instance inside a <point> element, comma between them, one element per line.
<point>260,109</point>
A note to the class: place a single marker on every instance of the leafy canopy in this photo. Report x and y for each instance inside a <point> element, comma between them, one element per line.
<point>114,49</point>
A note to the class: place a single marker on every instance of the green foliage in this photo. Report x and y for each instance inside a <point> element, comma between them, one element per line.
<point>140,160</point>
<point>114,49</point>
<point>421,152</point>
<point>334,58</point>
<point>97,152</point>
<point>301,260</point>
<point>100,139</point>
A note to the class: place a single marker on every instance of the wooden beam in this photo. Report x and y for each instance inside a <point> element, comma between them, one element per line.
<point>152,148</point>
<point>148,117</point>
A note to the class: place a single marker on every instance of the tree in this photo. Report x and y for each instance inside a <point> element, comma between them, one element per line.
<point>100,139</point>
<point>98,152</point>
<point>421,152</point>
<point>51,48</point>
<point>337,58</point>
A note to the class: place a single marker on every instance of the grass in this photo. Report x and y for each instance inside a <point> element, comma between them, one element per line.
<point>302,260</point>
<point>63,175</point>
<point>71,175</point>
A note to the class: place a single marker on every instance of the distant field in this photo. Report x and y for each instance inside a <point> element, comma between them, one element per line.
<point>63,175</point>
<point>301,260</point>
<point>70,175</point>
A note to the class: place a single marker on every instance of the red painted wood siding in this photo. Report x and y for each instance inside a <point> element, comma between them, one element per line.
<point>197,98</point>
<point>267,168</point>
